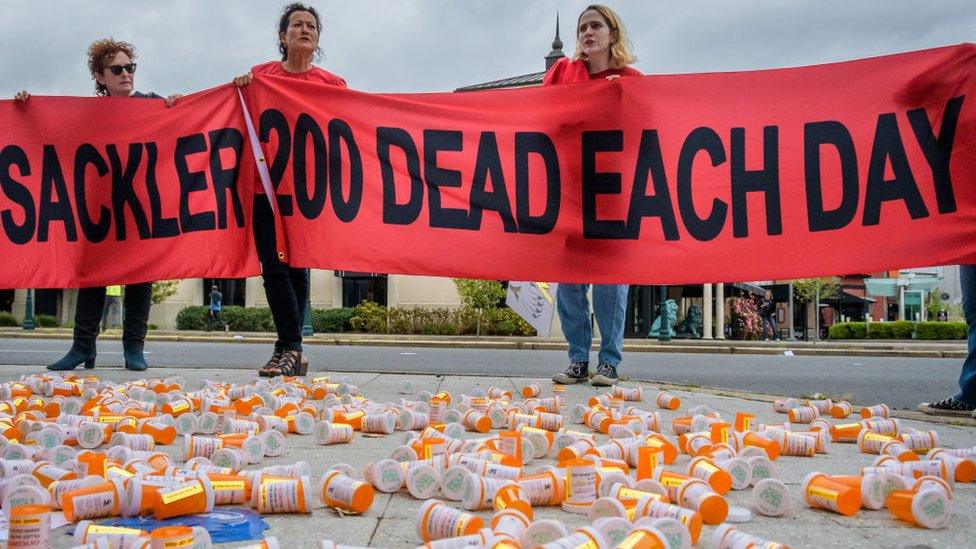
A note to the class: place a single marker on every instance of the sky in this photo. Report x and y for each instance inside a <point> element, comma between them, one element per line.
<point>439,45</point>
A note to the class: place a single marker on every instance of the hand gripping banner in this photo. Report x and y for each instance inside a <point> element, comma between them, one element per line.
<point>97,191</point>
<point>851,167</point>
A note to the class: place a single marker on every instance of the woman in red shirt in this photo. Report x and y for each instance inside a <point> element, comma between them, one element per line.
<point>287,288</point>
<point>602,51</point>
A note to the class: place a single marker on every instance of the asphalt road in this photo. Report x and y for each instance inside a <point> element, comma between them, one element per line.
<point>899,382</point>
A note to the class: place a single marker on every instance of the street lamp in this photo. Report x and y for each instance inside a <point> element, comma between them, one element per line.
<point>28,323</point>
<point>307,320</point>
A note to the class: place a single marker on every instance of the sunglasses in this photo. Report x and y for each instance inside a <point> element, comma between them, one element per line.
<point>117,69</point>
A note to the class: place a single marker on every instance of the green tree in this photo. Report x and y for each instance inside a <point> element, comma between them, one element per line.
<point>163,289</point>
<point>934,304</point>
<point>807,289</point>
<point>481,295</point>
<point>812,290</point>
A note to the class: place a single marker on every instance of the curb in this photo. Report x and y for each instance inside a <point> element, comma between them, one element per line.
<point>715,347</point>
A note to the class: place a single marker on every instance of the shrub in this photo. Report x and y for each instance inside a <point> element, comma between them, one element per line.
<point>940,330</point>
<point>467,321</point>
<point>7,319</point>
<point>479,294</point>
<point>433,328</point>
<point>45,321</point>
<point>902,329</point>
<point>423,320</point>
<point>332,320</point>
<point>369,317</point>
<point>403,320</point>
<point>507,322</point>
<point>859,330</point>
<point>879,330</point>
<point>841,330</point>
<point>744,318</point>
<point>248,319</point>
<point>191,318</point>
<point>848,330</point>
<point>163,290</point>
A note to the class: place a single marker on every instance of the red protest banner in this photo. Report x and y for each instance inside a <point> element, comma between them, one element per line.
<point>97,191</point>
<point>849,167</point>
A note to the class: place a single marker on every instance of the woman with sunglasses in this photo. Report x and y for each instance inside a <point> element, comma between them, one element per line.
<point>287,288</point>
<point>113,69</point>
<point>602,51</point>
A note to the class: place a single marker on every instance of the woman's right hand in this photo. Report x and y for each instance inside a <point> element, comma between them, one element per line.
<point>22,95</point>
<point>243,80</point>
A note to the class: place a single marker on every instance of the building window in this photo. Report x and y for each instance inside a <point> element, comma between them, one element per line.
<point>6,300</point>
<point>356,289</point>
<point>47,302</point>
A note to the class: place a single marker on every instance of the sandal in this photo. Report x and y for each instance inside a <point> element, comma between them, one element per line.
<point>265,371</point>
<point>291,364</point>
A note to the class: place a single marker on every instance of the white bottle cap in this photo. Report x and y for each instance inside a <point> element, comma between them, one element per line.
<point>738,515</point>
<point>541,532</point>
<point>771,498</point>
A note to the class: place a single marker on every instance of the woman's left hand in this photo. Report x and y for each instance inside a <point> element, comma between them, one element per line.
<point>171,100</point>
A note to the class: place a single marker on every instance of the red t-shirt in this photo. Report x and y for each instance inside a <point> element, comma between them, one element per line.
<point>567,71</point>
<point>314,74</point>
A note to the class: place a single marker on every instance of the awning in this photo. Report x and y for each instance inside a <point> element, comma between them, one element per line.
<point>891,287</point>
<point>747,287</point>
<point>781,292</point>
<point>847,298</point>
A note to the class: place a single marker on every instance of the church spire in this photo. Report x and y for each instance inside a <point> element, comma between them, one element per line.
<point>557,48</point>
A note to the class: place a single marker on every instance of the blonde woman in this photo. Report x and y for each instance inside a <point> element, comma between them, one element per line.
<point>602,51</point>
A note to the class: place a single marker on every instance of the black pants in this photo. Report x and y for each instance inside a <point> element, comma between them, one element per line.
<point>285,288</point>
<point>88,314</point>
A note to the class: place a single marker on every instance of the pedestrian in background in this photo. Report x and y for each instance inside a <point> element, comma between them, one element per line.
<point>112,312</point>
<point>768,311</point>
<point>213,311</point>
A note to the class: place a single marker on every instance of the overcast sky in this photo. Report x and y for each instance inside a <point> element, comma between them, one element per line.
<point>439,45</point>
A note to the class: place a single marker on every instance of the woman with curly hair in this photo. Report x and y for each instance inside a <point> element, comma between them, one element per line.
<point>112,66</point>
<point>285,287</point>
<point>602,51</point>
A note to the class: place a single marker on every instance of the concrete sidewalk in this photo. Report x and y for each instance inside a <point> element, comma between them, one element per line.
<point>390,522</point>
<point>879,348</point>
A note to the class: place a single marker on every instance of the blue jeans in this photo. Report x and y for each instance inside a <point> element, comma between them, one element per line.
<point>610,309</point>
<point>967,379</point>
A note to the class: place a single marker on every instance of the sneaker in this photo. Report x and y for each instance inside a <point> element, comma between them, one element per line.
<point>606,375</point>
<point>947,407</point>
<point>578,372</point>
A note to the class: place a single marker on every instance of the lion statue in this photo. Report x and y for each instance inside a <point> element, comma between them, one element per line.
<point>671,308</point>
<point>691,325</point>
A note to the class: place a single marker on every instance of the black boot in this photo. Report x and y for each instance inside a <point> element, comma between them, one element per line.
<point>88,312</point>
<point>135,360</point>
<point>138,298</point>
<point>76,356</point>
